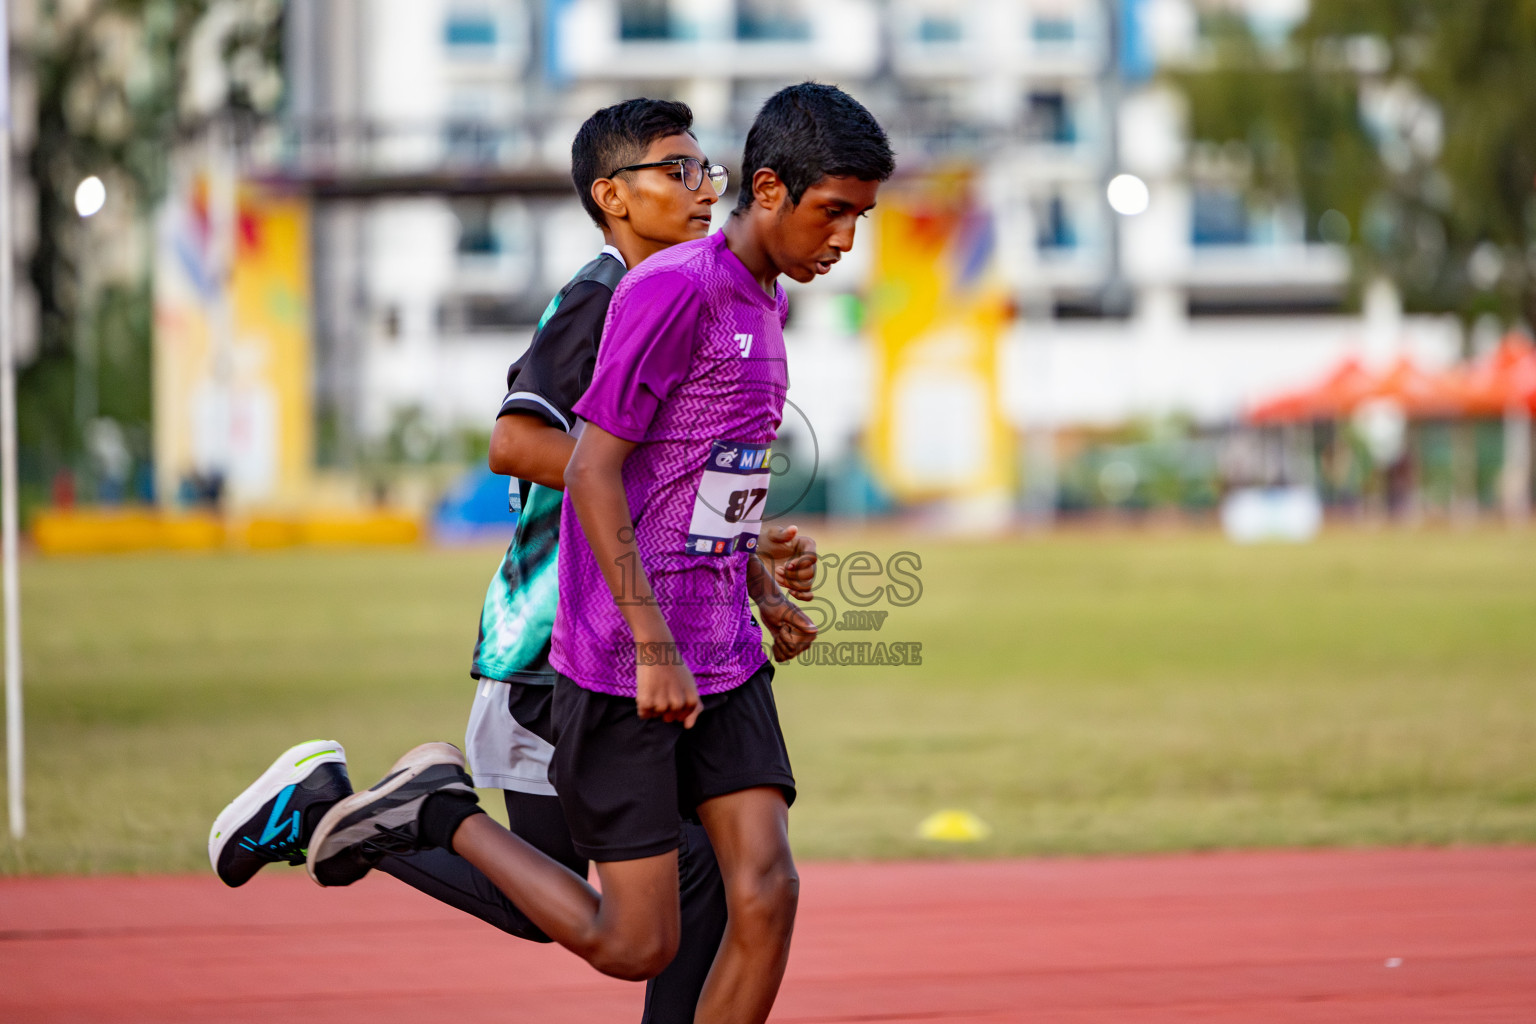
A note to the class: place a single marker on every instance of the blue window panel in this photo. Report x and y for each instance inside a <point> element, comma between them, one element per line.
<point>1053,227</point>
<point>479,240</point>
<point>1053,30</point>
<point>476,30</point>
<point>936,29</point>
<point>1048,118</point>
<point>1137,60</point>
<point>760,21</point>
<point>1219,216</point>
<point>646,19</point>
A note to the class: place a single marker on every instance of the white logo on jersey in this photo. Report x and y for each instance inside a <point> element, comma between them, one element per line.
<point>726,459</point>
<point>744,343</point>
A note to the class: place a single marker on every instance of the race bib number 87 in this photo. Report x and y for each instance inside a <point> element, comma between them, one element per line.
<point>733,492</point>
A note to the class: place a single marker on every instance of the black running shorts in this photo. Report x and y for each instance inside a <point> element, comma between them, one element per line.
<point>626,782</point>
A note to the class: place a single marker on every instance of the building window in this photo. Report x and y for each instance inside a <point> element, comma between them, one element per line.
<point>1053,226</point>
<point>1048,118</point>
<point>938,28</point>
<point>931,101</point>
<point>1053,30</point>
<point>644,19</point>
<point>478,313</point>
<point>470,140</point>
<point>771,21</point>
<point>477,229</point>
<point>1219,216</point>
<point>471,29</point>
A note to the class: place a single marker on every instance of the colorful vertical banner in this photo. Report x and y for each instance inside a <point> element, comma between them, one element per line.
<point>233,407</point>
<point>937,317</point>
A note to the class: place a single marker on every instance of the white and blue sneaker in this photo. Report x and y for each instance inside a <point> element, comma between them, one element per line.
<point>275,816</point>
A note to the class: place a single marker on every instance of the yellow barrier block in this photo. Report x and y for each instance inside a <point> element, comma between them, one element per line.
<point>102,531</point>
<point>191,533</point>
<point>358,530</point>
<point>106,531</point>
<point>270,533</point>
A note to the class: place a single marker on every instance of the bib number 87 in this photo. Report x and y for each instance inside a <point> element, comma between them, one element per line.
<point>742,503</point>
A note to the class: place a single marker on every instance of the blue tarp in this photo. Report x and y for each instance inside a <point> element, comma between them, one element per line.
<point>475,509</point>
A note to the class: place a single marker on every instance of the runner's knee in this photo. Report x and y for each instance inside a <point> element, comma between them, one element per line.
<point>633,959</point>
<point>765,901</point>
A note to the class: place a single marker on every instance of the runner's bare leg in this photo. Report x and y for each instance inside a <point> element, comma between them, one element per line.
<point>630,931</point>
<point>750,832</point>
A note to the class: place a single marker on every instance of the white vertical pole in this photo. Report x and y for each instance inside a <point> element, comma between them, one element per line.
<point>15,791</point>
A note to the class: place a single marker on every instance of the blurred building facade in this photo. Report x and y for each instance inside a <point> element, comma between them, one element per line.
<point>434,138</point>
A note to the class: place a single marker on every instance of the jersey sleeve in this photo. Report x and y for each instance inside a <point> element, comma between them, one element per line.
<point>647,349</point>
<point>557,368</point>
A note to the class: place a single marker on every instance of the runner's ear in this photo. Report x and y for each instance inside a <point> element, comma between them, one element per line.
<point>610,199</point>
<point>768,188</point>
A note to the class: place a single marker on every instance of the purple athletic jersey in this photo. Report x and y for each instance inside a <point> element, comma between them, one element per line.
<point>692,369</point>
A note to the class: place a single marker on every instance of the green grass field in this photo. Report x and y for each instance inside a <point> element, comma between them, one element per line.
<point>1086,693</point>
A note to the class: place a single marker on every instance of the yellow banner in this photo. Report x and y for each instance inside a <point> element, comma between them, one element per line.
<point>233,408</point>
<point>937,315</point>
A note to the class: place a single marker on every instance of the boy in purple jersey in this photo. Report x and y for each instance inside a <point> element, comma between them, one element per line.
<point>640,210</point>
<point>664,702</point>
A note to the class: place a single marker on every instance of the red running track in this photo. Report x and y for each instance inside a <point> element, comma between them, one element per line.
<point>1290,936</point>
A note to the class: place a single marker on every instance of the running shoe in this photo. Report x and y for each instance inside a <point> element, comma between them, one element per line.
<point>384,819</point>
<point>272,820</point>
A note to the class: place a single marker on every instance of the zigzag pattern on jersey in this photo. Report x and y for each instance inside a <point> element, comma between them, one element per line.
<point>724,396</point>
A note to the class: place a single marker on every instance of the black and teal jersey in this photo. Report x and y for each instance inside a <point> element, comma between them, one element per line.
<point>519,612</point>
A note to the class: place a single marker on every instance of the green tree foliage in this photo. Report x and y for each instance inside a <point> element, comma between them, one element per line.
<point>1415,119</point>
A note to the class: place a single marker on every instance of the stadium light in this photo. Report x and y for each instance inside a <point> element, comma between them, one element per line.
<point>90,197</point>
<point>1128,195</point>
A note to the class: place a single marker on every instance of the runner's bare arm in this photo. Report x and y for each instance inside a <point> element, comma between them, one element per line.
<point>665,687</point>
<point>524,446</point>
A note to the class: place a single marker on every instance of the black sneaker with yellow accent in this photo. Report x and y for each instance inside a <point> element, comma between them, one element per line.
<point>273,819</point>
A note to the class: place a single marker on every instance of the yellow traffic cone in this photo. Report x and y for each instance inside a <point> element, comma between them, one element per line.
<point>954,827</point>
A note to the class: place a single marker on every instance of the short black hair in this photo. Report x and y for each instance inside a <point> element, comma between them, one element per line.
<point>619,135</point>
<point>811,131</point>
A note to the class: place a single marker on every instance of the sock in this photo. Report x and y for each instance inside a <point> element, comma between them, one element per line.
<point>443,813</point>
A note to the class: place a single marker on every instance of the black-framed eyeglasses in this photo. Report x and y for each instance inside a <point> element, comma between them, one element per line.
<point>694,172</point>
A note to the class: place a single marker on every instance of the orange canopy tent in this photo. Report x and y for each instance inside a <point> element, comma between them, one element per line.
<point>1504,381</point>
<point>1344,387</point>
<point>1422,395</point>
